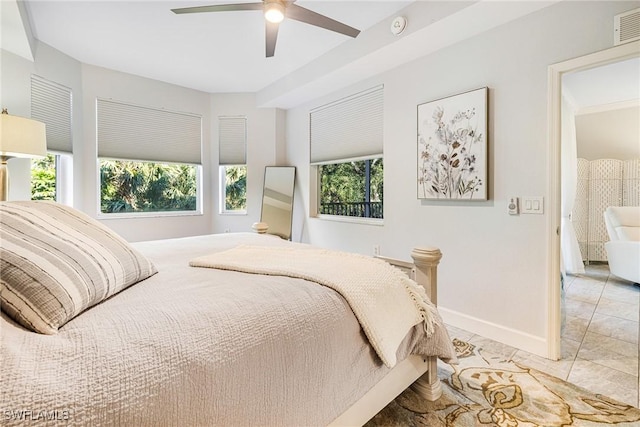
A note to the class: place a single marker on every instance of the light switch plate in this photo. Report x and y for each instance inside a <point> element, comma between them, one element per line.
<point>533,205</point>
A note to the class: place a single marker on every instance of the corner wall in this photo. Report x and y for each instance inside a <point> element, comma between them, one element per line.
<point>15,84</point>
<point>100,82</point>
<point>265,139</point>
<point>265,145</point>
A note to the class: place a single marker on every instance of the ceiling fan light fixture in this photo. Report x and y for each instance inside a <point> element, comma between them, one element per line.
<point>274,12</point>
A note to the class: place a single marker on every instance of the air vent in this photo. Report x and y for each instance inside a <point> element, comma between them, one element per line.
<point>626,27</point>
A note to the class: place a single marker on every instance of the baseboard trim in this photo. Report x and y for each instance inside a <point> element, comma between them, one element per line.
<point>514,338</point>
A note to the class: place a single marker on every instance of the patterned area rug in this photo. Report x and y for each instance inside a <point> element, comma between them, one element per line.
<point>486,390</point>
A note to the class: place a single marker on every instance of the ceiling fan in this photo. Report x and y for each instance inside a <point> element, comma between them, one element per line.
<point>274,12</point>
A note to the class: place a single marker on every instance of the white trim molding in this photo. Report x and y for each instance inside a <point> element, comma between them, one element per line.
<point>632,103</point>
<point>515,338</point>
<point>554,94</point>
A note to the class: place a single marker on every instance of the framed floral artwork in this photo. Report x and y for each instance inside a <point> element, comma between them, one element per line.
<point>452,147</point>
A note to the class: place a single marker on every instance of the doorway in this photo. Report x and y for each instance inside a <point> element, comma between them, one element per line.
<point>556,72</point>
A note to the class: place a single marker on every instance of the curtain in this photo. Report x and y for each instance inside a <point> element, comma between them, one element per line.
<point>134,132</point>
<point>349,129</point>
<point>51,104</point>
<point>570,250</point>
<point>232,140</point>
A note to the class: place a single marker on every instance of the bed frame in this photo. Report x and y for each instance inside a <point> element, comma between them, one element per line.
<point>419,373</point>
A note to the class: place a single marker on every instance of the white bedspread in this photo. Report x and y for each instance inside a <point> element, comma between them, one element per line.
<point>199,347</point>
<point>385,301</point>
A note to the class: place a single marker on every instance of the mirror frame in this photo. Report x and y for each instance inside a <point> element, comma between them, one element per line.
<point>292,193</point>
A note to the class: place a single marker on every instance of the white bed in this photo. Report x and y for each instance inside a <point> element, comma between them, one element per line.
<point>201,346</point>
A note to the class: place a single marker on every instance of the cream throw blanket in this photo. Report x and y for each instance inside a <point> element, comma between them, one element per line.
<point>385,301</point>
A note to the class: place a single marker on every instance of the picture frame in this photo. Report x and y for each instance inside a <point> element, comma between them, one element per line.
<point>452,144</point>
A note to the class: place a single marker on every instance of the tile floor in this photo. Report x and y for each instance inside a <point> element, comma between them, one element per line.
<point>600,339</point>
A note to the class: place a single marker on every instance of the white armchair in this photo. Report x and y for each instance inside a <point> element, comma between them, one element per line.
<point>623,249</point>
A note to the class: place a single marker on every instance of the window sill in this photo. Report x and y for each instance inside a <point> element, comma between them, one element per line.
<point>350,219</point>
<point>232,213</point>
<point>133,215</point>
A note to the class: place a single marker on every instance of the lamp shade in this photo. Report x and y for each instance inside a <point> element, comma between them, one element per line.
<point>20,137</point>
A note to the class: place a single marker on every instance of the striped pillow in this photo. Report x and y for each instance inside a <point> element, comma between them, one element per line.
<point>56,262</point>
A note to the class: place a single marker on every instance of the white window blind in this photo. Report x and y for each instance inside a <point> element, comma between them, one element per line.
<point>51,105</point>
<point>232,140</point>
<point>133,132</point>
<point>348,129</point>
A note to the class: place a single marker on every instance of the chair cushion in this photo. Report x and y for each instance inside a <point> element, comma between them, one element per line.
<point>623,222</point>
<point>628,233</point>
<point>57,262</point>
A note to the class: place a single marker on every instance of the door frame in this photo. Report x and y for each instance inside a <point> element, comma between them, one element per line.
<point>554,98</point>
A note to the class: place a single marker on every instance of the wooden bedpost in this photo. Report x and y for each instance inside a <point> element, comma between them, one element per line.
<point>426,261</point>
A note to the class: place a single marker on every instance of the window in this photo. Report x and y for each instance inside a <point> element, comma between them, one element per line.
<point>234,190</point>
<point>44,181</point>
<point>352,188</point>
<point>346,152</point>
<point>52,177</point>
<point>232,139</point>
<point>134,186</point>
<point>149,159</point>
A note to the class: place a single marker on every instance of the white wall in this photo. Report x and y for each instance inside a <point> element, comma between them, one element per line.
<point>16,97</point>
<point>99,82</point>
<point>494,271</point>
<point>88,82</point>
<point>12,97</point>
<point>265,145</point>
<point>265,142</point>
<point>610,134</point>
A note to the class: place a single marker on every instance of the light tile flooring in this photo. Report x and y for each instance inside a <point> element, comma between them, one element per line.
<point>600,339</point>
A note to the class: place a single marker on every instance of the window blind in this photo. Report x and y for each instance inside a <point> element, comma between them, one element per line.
<point>133,132</point>
<point>348,129</point>
<point>51,105</point>
<point>232,132</point>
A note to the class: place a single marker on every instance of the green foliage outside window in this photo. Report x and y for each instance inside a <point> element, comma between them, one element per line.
<point>235,188</point>
<point>131,186</point>
<point>43,178</point>
<point>343,188</point>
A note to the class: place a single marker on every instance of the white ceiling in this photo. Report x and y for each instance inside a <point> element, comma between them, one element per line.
<point>14,35</point>
<point>224,51</point>
<point>212,52</point>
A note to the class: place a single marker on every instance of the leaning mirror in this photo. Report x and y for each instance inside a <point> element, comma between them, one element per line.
<point>277,200</point>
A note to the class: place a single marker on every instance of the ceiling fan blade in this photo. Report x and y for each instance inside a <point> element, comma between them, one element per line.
<point>219,8</point>
<point>307,16</point>
<point>271,37</point>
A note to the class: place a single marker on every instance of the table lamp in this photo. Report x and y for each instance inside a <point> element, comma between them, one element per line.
<point>19,137</point>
